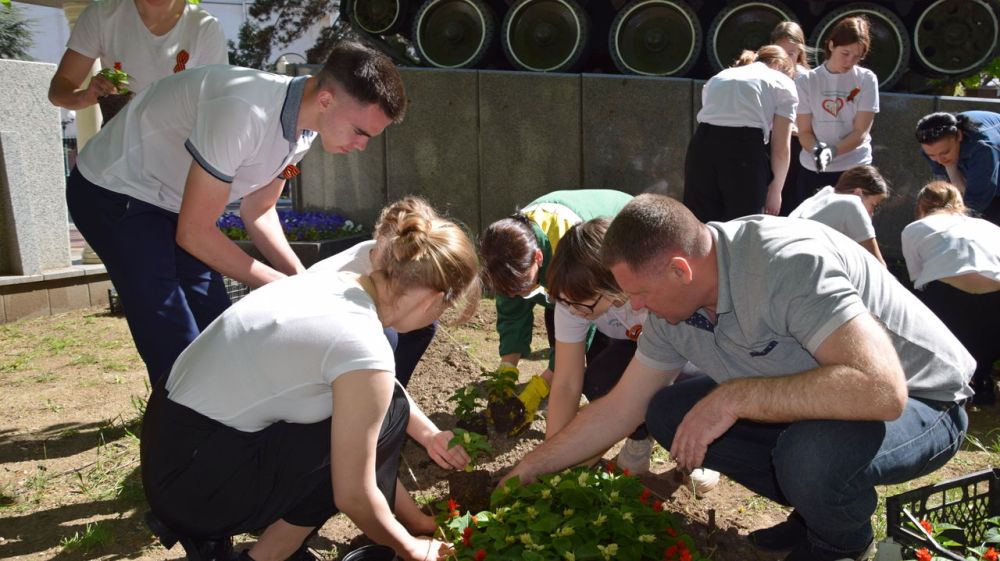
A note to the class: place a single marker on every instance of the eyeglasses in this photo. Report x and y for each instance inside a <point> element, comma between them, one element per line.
<point>586,309</point>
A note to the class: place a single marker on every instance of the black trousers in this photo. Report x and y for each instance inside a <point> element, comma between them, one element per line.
<point>726,172</point>
<point>207,480</point>
<point>807,181</point>
<point>975,320</point>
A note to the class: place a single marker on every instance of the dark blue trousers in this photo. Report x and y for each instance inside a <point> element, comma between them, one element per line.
<point>168,295</point>
<point>408,348</point>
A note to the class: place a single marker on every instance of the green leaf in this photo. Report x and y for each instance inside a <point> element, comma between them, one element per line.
<point>5,2</point>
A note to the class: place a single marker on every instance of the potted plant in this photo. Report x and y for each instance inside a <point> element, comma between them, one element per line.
<point>983,83</point>
<point>575,515</point>
<point>112,104</point>
<point>313,235</point>
<point>472,486</point>
<point>503,408</point>
<point>467,400</point>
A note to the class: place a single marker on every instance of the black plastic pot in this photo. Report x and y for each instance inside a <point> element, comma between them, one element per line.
<point>372,553</point>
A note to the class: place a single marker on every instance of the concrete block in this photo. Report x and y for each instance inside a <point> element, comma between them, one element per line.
<point>434,151</point>
<point>66,295</point>
<point>19,252</point>
<point>26,303</point>
<point>350,184</point>
<point>99,292</point>
<point>634,140</point>
<point>27,111</point>
<point>3,310</point>
<point>529,139</point>
<point>896,154</point>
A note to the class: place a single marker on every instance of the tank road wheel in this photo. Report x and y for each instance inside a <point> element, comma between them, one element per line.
<point>655,38</point>
<point>454,33</point>
<point>890,50</point>
<point>545,35</point>
<point>378,17</point>
<point>743,26</point>
<point>955,37</point>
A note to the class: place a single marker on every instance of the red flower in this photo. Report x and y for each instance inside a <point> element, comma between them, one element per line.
<point>658,505</point>
<point>853,94</point>
<point>644,497</point>
<point>670,553</point>
<point>685,555</point>
<point>452,503</point>
<point>926,524</point>
<point>118,65</point>
<point>610,466</point>
<point>467,536</point>
<point>924,555</point>
<point>991,555</point>
<point>183,57</point>
<point>453,514</point>
<point>480,555</point>
<point>671,532</point>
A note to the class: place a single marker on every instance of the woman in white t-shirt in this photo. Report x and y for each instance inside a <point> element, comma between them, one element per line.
<point>837,105</point>
<point>148,40</point>
<point>954,263</point>
<point>587,296</point>
<point>729,171</point>
<point>848,206</point>
<point>284,410</point>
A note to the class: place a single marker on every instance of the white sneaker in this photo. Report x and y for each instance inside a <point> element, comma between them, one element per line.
<point>704,480</point>
<point>634,456</point>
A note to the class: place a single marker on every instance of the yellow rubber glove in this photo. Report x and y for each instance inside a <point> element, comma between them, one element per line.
<point>534,392</point>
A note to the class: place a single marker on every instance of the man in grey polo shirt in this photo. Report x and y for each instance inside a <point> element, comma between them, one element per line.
<point>825,376</point>
<point>149,188</point>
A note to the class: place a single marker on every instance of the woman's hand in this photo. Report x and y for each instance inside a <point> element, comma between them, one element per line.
<point>98,87</point>
<point>448,458</point>
<point>428,549</point>
<point>772,205</point>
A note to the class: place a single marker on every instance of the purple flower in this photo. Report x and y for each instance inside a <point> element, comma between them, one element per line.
<point>298,226</point>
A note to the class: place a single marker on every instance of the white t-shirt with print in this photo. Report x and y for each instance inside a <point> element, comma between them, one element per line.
<point>273,355</point>
<point>844,213</point>
<point>947,244</point>
<point>833,100</point>
<point>618,322</point>
<point>112,31</point>
<point>239,124</point>
<point>748,96</point>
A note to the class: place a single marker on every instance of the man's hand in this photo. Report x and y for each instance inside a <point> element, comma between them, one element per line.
<point>823,154</point>
<point>709,419</point>
<point>448,458</point>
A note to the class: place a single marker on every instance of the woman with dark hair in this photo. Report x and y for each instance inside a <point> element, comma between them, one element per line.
<point>848,206</point>
<point>738,157</point>
<point>516,252</point>
<point>284,411</point>
<point>587,298</point>
<point>964,149</point>
<point>838,101</point>
<point>954,263</point>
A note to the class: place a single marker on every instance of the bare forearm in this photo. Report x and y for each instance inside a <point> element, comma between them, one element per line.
<point>62,93</point>
<point>369,510</point>
<point>827,392</point>
<point>851,141</point>
<point>512,358</point>
<point>211,247</point>
<point>564,402</point>
<point>269,238</point>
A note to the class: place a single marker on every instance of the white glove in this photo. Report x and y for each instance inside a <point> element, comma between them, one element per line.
<point>823,155</point>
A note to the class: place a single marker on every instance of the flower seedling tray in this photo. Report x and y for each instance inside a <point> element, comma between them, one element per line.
<point>967,502</point>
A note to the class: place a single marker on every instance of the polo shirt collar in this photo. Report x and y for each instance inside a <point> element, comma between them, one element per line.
<point>724,304</point>
<point>290,109</point>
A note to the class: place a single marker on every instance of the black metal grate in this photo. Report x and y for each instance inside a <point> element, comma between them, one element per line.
<point>967,502</point>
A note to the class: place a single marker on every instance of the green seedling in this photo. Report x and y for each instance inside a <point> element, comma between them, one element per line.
<point>118,77</point>
<point>467,401</point>
<point>474,444</point>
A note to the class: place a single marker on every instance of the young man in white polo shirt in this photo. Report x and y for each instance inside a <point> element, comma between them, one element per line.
<point>826,377</point>
<point>149,188</point>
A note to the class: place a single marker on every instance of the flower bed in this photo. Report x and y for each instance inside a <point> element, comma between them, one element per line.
<point>576,515</point>
<point>298,226</point>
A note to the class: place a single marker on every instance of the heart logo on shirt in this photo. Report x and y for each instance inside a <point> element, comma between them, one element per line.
<point>833,106</point>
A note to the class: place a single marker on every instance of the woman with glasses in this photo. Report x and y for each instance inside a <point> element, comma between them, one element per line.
<point>516,253</point>
<point>849,206</point>
<point>964,149</point>
<point>838,101</point>
<point>587,297</point>
<point>954,263</point>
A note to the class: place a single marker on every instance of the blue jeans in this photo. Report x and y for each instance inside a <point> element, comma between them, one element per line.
<point>826,470</point>
<point>169,296</point>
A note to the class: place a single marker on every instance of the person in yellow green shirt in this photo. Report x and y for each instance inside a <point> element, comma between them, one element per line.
<point>516,252</point>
